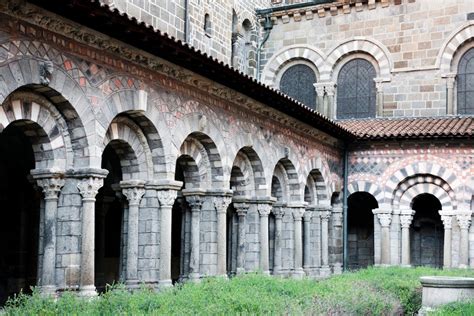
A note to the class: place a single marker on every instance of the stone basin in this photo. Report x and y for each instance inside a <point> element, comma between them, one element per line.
<point>440,290</point>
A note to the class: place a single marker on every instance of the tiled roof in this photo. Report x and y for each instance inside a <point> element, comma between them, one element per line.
<point>424,127</point>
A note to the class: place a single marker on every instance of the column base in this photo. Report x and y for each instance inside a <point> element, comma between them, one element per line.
<point>405,265</point>
<point>463,266</point>
<point>240,271</point>
<point>337,268</point>
<point>298,273</point>
<point>325,271</point>
<point>48,290</point>
<point>132,285</point>
<point>162,284</point>
<point>87,291</point>
<point>194,277</point>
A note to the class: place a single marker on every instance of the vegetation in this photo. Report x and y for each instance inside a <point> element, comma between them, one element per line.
<point>455,309</point>
<point>373,291</point>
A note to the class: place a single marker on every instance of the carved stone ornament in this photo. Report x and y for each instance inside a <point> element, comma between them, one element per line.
<point>278,211</point>
<point>298,213</point>
<point>264,209</point>
<point>167,197</point>
<point>447,221</point>
<point>405,221</point>
<point>195,202</point>
<point>51,187</point>
<point>133,194</point>
<point>221,203</point>
<point>385,219</point>
<point>45,72</point>
<point>89,187</point>
<point>325,215</point>
<point>464,220</point>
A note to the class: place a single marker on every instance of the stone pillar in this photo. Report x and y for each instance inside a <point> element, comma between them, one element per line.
<point>447,252</point>
<point>133,190</point>
<point>278,212</point>
<point>325,216</point>
<point>337,242</point>
<point>298,213</point>
<point>464,221</point>
<point>330,105</point>
<point>242,208</point>
<point>306,241</point>
<point>451,108</point>
<point>406,218</point>
<point>88,187</point>
<point>194,199</point>
<point>264,210</point>
<point>319,87</point>
<point>379,96</point>
<point>385,218</point>
<point>51,184</point>
<point>221,203</point>
<point>166,193</point>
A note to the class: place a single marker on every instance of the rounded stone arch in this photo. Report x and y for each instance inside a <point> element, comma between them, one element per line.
<point>201,153</point>
<point>253,182</point>
<point>446,58</point>
<point>379,55</point>
<point>130,144</point>
<point>285,170</point>
<point>319,167</point>
<point>64,93</point>
<point>42,123</point>
<point>369,187</point>
<point>199,124</point>
<point>413,186</point>
<point>292,55</point>
<point>279,184</point>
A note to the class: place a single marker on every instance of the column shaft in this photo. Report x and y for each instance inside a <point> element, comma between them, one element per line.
<point>48,280</point>
<point>132,246</point>
<point>306,242</point>
<point>298,247</point>
<point>241,243</point>
<point>264,258</point>
<point>194,262</point>
<point>277,247</point>
<point>405,246</point>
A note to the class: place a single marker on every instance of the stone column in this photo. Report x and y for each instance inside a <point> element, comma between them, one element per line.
<point>450,104</point>
<point>278,211</point>
<point>264,210</point>
<point>464,221</point>
<point>298,213</point>
<point>306,241</point>
<point>385,218</point>
<point>447,253</point>
<point>379,96</point>
<point>406,218</point>
<point>242,208</point>
<point>166,193</point>
<point>88,188</point>
<point>194,200</point>
<point>221,203</point>
<point>337,237</point>
<point>319,87</point>
<point>330,89</point>
<point>325,216</point>
<point>133,190</point>
<point>51,184</point>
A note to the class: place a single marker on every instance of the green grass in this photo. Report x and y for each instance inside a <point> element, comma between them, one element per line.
<point>374,291</point>
<point>455,309</point>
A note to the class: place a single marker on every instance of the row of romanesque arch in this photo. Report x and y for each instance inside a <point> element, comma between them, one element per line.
<point>327,64</point>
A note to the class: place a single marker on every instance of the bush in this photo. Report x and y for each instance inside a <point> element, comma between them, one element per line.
<point>372,291</point>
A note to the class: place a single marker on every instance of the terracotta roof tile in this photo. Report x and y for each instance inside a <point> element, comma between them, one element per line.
<point>423,127</point>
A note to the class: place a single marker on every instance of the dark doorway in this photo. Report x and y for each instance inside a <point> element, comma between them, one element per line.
<point>180,231</point>
<point>426,232</point>
<point>19,214</point>
<point>109,218</point>
<point>360,230</point>
<point>232,240</point>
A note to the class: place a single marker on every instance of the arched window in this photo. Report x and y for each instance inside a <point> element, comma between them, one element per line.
<point>356,96</point>
<point>297,82</point>
<point>207,24</point>
<point>465,83</point>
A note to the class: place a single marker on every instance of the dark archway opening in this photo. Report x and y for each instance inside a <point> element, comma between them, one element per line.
<point>232,240</point>
<point>109,217</point>
<point>180,230</point>
<point>360,230</point>
<point>426,232</point>
<point>19,214</point>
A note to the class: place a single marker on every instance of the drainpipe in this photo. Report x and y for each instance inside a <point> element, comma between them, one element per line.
<point>267,27</point>
<point>344,208</point>
<point>186,21</point>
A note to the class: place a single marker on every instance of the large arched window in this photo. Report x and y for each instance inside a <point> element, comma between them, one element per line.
<point>356,96</point>
<point>297,82</point>
<point>465,83</point>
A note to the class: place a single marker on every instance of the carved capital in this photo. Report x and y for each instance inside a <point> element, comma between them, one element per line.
<point>264,209</point>
<point>298,213</point>
<point>195,202</point>
<point>385,219</point>
<point>278,212</point>
<point>464,220</point>
<point>89,187</point>
<point>337,219</point>
<point>405,220</point>
<point>241,208</point>
<point>221,203</point>
<point>308,215</point>
<point>447,221</point>
<point>166,197</point>
<point>325,215</point>
<point>319,87</point>
<point>133,194</point>
<point>330,88</point>
<point>51,187</point>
